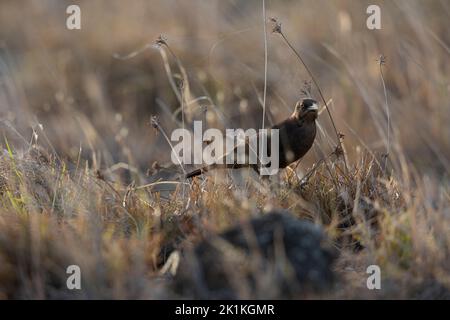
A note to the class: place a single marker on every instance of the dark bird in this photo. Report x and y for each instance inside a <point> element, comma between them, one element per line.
<point>296,136</point>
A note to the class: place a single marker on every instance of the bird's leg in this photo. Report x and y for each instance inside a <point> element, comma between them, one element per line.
<point>304,180</point>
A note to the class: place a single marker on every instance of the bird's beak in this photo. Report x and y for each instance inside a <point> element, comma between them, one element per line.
<point>313,107</point>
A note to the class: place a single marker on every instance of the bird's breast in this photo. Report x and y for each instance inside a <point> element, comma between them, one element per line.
<point>295,142</point>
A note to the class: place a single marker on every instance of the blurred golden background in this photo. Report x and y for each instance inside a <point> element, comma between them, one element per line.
<point>70,82</point>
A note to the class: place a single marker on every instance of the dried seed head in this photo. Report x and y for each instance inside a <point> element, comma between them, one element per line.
<point>180,84</point>
<point>382,59</point>
<point>338,151</point>
<point>276,25</point>
<point>306,89</point>
<point>154,121</point>
<point>160,41</point>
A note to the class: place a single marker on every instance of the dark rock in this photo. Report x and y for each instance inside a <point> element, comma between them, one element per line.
<point>273,256</point>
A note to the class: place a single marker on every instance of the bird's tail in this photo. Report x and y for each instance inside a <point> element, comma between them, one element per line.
<point>194,173</point>
<point>204,169</point>
<point>198,172</point>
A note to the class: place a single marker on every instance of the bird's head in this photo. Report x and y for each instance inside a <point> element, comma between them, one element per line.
<point>306,109</point>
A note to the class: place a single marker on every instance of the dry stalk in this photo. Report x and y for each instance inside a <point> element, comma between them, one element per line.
<point>277,29</point>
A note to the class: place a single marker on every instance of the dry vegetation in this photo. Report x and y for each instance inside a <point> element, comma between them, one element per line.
<point>77,184</point>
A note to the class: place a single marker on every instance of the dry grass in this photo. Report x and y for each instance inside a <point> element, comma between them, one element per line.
<point>78,142</point>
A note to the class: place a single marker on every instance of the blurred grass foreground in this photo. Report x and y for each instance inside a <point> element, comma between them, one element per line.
<point>86,180</point>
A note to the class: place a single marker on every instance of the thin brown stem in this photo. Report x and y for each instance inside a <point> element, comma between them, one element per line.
<point>338,136</point>
<point>382,61</point>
